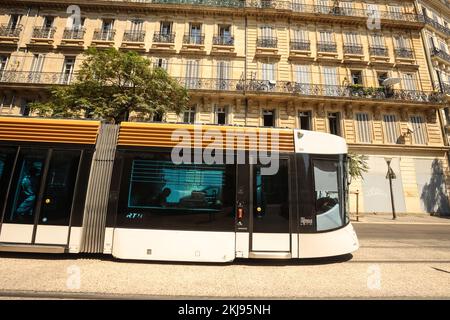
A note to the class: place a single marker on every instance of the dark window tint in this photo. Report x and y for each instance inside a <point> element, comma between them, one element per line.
<point>60,183</point>
<point>161,194</point>
<point>334,123</point>
<point>271,200</point>
<point>305,120</point>
<point>327,195</point>
<point>221,115</point>
<point>357,77</point>
<point>25,189</point>
<point>381,77</point>
<point>268,118</point>
<point>6,162</point>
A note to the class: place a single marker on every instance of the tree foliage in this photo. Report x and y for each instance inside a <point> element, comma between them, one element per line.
<point>111,85</point>
<point>357,165</point>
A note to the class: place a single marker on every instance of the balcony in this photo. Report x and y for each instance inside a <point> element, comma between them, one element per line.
<point>194,39</point>
<point>223,45</point>
<point>8,35</point>
<point>290,88</point>
<point>266,47</point>
<point>300,50</point>
<point>378,51</point>
<point>441,55</point>
<point>353,49</point>
<point>303,45</point>
<point>267,42</point>
<point>193,44</point>
<point>73,37</point>
<point>38,78</point>
<point>404,53</point>
<point>327,47</point>
<point>437,26</point>
<point>103,38</point>
<point>42,36</point>
<point>133,40</point>
<point>223,41</point>
<point>163,42</point>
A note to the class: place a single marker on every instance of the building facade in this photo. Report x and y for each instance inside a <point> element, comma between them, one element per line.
<point>357,69</point>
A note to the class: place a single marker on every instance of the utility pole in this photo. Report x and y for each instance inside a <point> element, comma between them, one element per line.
<point>391,175</point>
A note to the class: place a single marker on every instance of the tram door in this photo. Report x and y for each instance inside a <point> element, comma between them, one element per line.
<point>38,187</point>
<point>269,205</point>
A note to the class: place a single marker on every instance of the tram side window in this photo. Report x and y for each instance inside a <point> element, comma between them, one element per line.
<point>6,163</point>
<point>328,206</point>
<point>186,196</point>
<point>59,187</point>
<point>26,186</point>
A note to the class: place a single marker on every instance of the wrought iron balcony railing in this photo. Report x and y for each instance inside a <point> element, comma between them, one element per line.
<point>43,33</point>
<point>446,88</point>
<point>288,5</point>
<point>326,47</point>
<point>441,54</point>
<point>46,78</point>
<point>163,37</point>
<point>134,36</point>
<point>9,32</point>
<point>378,51</point>
<point>353,49</point>
<point>266,42</point>
<point>223,40</point>
<point>304,45</point>
<point>104,35</point>
<point>260,86</point>
<point>194,39</point>
<point>74,33</point>
<point>437,25</point>
<point>404,53</point>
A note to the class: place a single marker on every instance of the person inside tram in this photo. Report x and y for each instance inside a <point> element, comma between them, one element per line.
<point>29,186</point>
<point>161,198</point>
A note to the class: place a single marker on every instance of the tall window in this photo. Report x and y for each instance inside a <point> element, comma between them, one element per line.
<point>323,6</point>
<point>136,25</point>
<point>419,130</point>
<point>381,77</point>
<point>395,12</point>
<point>195,33</point>
<point>301,35</point>
<point>303,74</point>
<point>67,71</point>
<point>220,115</point>
<point>402,42</point>
<point>192,81</point>
<point>189,115</point>
<point>266,32</point>
<point>356,77</point>
<point>14,21</point>
<point>304,120</point>
<point>330,81</point>
<point>390,128</point>
<point>409,81</point>
<point>162,63</point>
<point>346,7</point>
<point>268,118</point>
<point>165,28</point>
<point>298,5</point>
<point>223,76</point>
<point>48,22</point>
<point>352,38</point>
<point>363,127</point>
<point>334,123</point>
<point>268,71</point>
<point>377,40</point>
<point>372,10</point>
<point>36,67</point>
<point>3,63</point>
<point>326,36</point>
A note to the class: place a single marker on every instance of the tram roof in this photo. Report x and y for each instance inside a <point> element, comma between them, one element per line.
<point>51,130</point>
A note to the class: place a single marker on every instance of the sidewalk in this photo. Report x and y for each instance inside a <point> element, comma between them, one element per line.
<point>401,218</point>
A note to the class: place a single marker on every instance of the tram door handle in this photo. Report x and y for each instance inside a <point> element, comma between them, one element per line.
<point>240,213</point>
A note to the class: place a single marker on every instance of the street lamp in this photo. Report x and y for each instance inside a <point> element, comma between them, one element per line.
<point>391,175</point>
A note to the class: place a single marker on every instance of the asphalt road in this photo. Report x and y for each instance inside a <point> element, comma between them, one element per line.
<point>402,231</point>
<point>394,261</point>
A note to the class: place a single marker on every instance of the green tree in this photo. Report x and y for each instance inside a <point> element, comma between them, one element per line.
<point>357,165</point>
<point>112,84</point>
